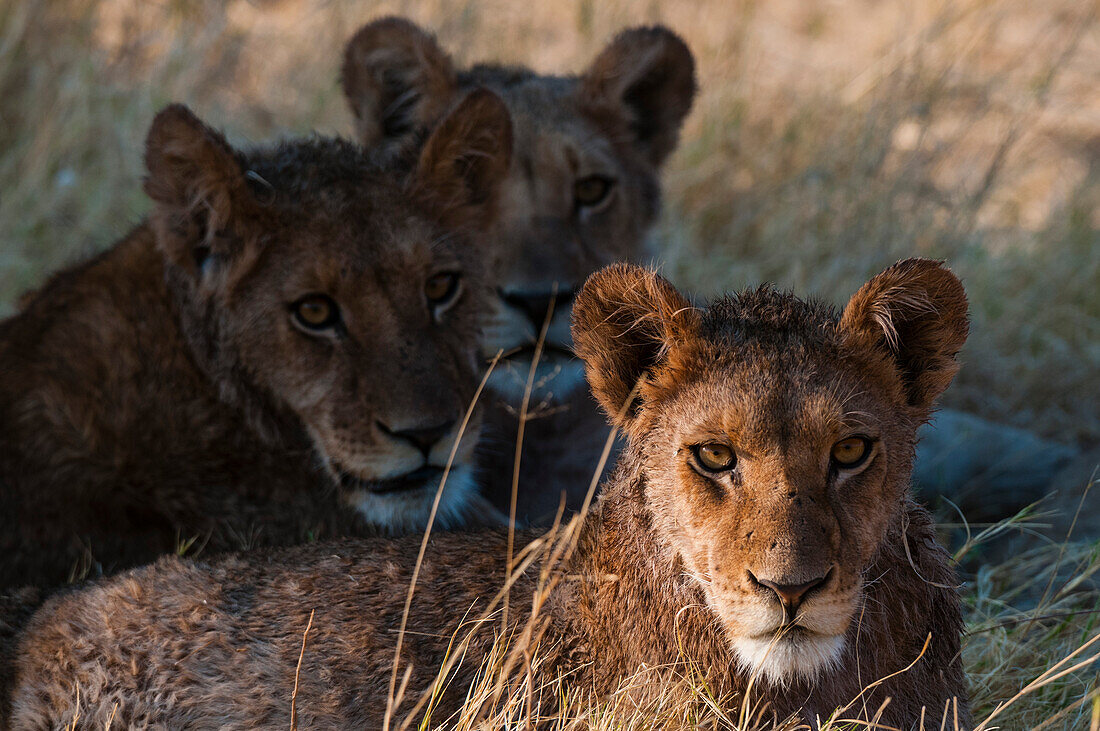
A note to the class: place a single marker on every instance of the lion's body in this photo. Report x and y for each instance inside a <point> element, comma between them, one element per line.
<point>117,447</point>
<point>663,572</point>
<point>224,639</point>
<point>243,676</point>
<point>166,395</point>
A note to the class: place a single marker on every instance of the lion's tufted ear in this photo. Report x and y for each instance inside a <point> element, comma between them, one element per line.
<point>643,83</point>
<point>198,186</point>
<point>624,321</point>
<point>397,81</point>
<point>917,312</point>
<point>465,160</point>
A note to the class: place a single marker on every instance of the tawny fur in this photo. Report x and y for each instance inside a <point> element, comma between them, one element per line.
<point>159,395</point>
<point>16,607</point>
<point>618,121</point>
<point>661,559</point>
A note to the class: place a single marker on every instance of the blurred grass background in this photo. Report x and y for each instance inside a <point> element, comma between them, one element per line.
<point>829,139</point>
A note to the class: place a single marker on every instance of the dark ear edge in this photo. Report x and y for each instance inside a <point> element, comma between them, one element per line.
<point>196,182</point>
<point>644,80</point>
<point>915,311</point>
<point>397,81</point>
<point>466,159</point>
<point>624,320</point>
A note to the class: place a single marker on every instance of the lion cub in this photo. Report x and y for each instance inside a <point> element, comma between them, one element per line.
<point>285,349</point>
<point>758,524</point>
<point>582,192</point>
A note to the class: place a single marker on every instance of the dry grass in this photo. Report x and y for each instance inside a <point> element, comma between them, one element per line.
<point>829,140</point>
<point>1032,657</point>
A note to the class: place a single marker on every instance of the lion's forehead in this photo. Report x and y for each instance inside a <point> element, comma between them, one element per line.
<point>550,154</point>
<point>525,92</point>
<point>775,396</point>
<point>367,253</point>
<point>548,124</point>
<point>329,199</point>
<point>313,167</point>
<point>541,240</point>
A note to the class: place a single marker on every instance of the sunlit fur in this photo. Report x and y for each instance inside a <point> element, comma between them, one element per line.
<point>783,659</point>
<point>781,654</point>
<point>656,587</point>
<point>779,381</point>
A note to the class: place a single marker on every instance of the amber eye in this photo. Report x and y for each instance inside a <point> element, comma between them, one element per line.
<point>316,312</point>
<point>715,456</point>
<point>851,452</point>
<point>441,288</point>
<point>591,191</point>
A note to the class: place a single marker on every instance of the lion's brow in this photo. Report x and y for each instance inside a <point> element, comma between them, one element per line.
<point>444,238</point>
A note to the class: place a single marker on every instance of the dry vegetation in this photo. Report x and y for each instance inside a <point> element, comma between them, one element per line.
<point>830,138</point>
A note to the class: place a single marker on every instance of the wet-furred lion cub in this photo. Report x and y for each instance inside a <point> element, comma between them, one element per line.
<point>582,192</point>
<point>284,350</point>
<point>759,523</point>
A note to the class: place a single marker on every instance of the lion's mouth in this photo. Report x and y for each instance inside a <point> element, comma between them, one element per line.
<point>551,353</point>
<point>424,477</point>
<point>791,632</point>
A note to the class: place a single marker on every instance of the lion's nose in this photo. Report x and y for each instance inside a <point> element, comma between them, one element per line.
<point>791,596</point>
<point>535,305</point>
<point>422,437</point>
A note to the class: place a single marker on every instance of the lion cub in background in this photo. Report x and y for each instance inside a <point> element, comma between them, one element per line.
<point>582,192</point>
<point>284,350</point>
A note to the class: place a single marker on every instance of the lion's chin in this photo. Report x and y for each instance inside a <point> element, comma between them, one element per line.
<point>559,374</point>
<point>407,510</point>
<point>789,655</point>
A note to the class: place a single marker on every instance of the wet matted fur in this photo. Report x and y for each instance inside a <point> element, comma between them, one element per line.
<point>171,390</point>
<point>582,192</point>
<point>673,564</point>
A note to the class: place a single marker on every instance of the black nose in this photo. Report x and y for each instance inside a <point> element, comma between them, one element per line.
<point>535,305</point>
<point>791,596</point>
<point>423,438</point>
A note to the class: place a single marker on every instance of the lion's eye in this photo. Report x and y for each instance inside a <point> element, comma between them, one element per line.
<point>851,452</point>
<point>591,191</point>
<point>441,288</point>
<point>316,312</point>
<point>715,456</point>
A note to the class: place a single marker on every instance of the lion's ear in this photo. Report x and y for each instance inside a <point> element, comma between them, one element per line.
<point>198,186</point>
<point>466,159</point>
<point>625,319</point>
<point>916,312</point>
<point>643,82</point>
<point>397,81</point>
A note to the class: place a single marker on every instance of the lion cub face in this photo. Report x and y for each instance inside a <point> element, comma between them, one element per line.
<point>582,190</point>
<point>340,294</point>
<point>777,438</point>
